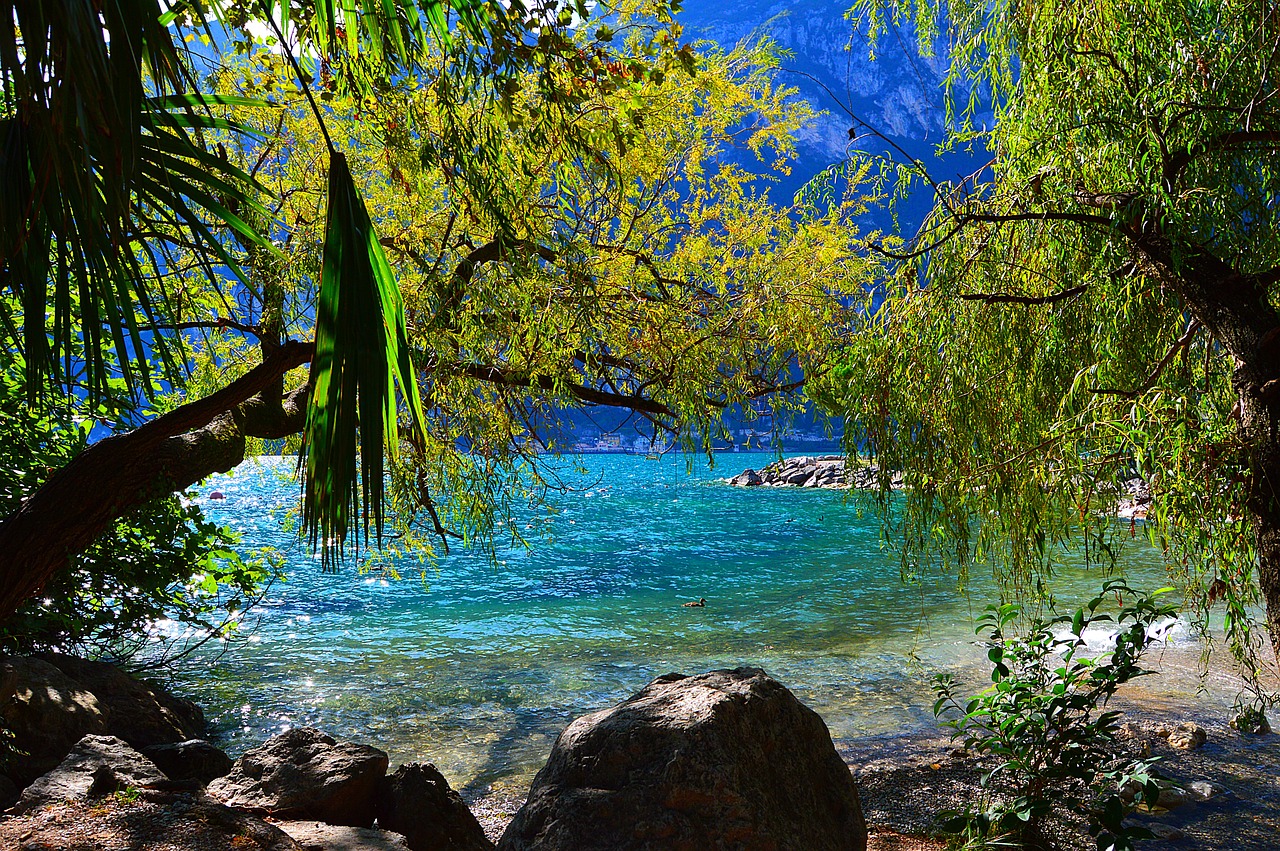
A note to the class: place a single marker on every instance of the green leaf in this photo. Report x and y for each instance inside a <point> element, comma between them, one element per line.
<point>362,351</point>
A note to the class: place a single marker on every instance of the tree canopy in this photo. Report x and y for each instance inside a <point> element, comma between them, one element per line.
<point>558,214</point>
<point>1097,303</point>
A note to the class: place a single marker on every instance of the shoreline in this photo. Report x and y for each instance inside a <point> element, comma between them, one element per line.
<point>906,778</point>
<point>905,781</point>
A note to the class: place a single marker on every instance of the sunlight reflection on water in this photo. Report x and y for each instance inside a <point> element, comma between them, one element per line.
<point>479,667</point>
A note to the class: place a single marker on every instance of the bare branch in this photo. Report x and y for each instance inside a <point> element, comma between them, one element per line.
<point>1181,343</point>
<point>1009,298</point>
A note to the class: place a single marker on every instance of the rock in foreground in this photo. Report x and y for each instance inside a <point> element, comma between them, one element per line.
<point>51,701</point>
<point>417,802</point>
<point>194,759</point>
<point>724,760</point>
<point>306,774</point>
<point>96,766</point>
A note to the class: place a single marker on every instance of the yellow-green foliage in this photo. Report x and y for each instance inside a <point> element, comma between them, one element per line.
<point>606,244</point>
<point>1027,356</point>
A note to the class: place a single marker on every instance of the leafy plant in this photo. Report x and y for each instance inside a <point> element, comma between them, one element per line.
<point>1044,719</point>
<point>160,562</point>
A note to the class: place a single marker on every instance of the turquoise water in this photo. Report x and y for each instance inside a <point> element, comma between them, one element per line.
<point>479,668</point>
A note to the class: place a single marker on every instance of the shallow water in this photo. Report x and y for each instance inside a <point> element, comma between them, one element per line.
<point>478,667</point>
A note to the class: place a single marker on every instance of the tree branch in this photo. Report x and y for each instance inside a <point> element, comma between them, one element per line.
<point>121,472</point>
<point>1008,298</point>
<point>1224,142</point>
<point>1180,344</point>
<point>590,395</point>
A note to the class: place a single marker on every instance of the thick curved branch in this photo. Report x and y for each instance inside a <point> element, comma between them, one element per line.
<point>1233,141</point>
<point>1180,344</point>
<point>1009,298</point>
<point>115,475</point>
<point>961,221</point>
<point>590,395</point>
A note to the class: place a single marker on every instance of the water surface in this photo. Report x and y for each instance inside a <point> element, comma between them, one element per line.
<point>478,667</point>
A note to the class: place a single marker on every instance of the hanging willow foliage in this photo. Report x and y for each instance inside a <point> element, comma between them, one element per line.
<point>355,368</point>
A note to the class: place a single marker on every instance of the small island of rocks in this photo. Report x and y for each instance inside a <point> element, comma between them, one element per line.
<point>813,471</point>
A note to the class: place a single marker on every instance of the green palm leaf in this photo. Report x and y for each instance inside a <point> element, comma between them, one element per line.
<point>362,350</point>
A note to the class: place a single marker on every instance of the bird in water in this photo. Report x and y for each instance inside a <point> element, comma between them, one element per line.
<point>702,601</point>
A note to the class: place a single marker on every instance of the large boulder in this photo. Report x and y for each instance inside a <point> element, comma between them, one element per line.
<point>724,760</point>
<point>47,712</point>
<point>140,713</point>
<point>417,802</point>
<point>51,701</point>
<point>194,759</point>
<point>96,766</point>
<point>306,774</point>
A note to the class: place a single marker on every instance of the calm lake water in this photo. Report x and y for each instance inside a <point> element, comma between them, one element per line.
<point>480,666</point>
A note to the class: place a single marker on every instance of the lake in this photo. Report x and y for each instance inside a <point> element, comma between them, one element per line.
<point>478,666</point>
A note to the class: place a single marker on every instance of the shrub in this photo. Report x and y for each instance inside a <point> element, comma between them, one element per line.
<point>1045,722</point>
<point>163,561</point>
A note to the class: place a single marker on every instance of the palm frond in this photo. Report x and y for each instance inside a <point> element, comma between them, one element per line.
<point>94,121</point>
<point>361,352</point>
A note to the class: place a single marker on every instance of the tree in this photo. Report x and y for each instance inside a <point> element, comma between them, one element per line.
<point>107,172</point>
<point>654,276</point>
<point>1098,302</point>
<point>564,234</point>
<point>160,561</point>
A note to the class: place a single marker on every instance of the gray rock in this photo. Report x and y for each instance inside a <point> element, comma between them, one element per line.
<point>1203,790</point>
<point>141,713</point>
<point>724,760</point>
<point>305,774</point>
<point>318,836</point>
<point>96,766</point>
<point>51,701</point>
<point>194,759</point>
<point>48,713</point>
<point>417,802</point>
<point>1167,832</point>
<point>746,479</point>
<point>1172,797</point>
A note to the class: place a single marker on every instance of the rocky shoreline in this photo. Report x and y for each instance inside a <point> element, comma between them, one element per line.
<point>814,471</point>
<point>648,773</point>
<point>832,472</point>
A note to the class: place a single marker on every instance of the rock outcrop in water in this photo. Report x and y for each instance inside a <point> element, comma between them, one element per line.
<point>821,471</point>
<point>724,760</point>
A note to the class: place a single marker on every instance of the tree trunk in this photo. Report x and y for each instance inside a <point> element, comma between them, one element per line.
<point>1236,308</point>
<point>109,478</point>
<point>1260,424</point>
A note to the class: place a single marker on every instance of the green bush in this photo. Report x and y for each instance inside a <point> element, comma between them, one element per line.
<point>162,562</point>
<point>1044,720</point>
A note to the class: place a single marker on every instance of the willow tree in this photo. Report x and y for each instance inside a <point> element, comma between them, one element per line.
<point>653,276</point>
<point>563,234</point>
<point>1098,302</point>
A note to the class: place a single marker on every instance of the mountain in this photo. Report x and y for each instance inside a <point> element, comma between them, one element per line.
<point>897,95</point>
